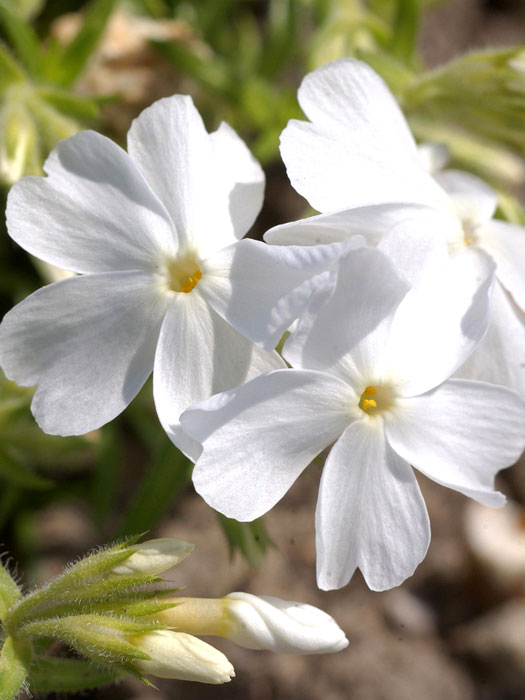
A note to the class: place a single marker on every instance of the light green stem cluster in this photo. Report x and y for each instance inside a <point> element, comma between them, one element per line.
<point>97,606</point>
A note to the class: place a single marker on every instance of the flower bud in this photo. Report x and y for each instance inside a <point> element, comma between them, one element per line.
<point>258,622</point>
<point>182,656</point>
<point>267,622</point>
<point>154,556</point>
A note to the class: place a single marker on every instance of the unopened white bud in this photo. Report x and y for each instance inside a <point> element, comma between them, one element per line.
<point>266,622</point>
<point>182,656</point>
<point>155,556</point>
<point>258,622</point>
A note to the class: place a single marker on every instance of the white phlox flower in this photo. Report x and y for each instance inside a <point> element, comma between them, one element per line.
<point>164,281</point>
<point>258,622</point>
<point>356,161</point>
<point>370,377</point>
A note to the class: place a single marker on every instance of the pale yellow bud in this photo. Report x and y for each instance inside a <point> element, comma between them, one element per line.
<point>258,622</point>
<point>155,556</point>
<point>182,656</point>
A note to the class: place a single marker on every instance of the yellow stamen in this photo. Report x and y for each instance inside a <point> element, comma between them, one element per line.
<point>191,282</point>
<point>182,273</point>
<point>468,240</point>
<point>376,399</point>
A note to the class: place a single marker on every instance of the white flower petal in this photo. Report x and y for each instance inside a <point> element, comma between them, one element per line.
<point>370,513</point>
<point>258,438</point>
<point>440,323</point>
<point>240,176</point>
<point>170,145</point>
<point>500,357</point>
<point>199,354</point>
<point>370,221</point>
<point>345,328</point>
<point>358,149</point>
<point>460,435</point>
<point>261,289</point>
<point>506,243</point>
<point>209,183</point>
<point>94,213</point>
<point>474,200</point>
<point>88,342</point>
<point>433,155</point>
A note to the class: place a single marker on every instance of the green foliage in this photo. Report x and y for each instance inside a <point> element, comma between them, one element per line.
<point>50,674</point>
<point>250,539</point>
<point>15,660</point>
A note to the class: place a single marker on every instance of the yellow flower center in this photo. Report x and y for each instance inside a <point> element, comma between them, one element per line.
<point>183,274</point>
<point>375,399</point>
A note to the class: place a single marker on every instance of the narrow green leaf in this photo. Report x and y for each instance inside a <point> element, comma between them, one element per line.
<point>106,473</point>
<point>19,474</point>
<point>251,539</point>
<point>167,475</point>
<point>15,659</point>
<point>68,103</point>
<point>24,40</point>
<point>10,70</point>
<point>79,50</point>
<point>9,592</point>
<point>53,675</point>
<point>405,30</point>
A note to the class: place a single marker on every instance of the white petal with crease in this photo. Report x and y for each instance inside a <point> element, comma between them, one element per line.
<point>261,289</point>
<point>239,176</point>
<point>506,243</point>
<point>440,324</point>
<point>358,149</point>
<point>460,435</point>
<point>258,438</point>
<point>345,328</point>
<point>93,213</point>
<point>198,355</point>
<point>500,357</point>
<point>370,221</point>
<point>370,512</point>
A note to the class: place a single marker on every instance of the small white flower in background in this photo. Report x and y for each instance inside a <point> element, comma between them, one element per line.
<point>370,377</point>
<point>258,622</point>
<point>165,282</point>
<point>357,163</point>
<point>182,656</point>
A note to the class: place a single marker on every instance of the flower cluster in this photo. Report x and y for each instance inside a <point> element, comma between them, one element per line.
<point>99,608</point>
<point>408,295</point>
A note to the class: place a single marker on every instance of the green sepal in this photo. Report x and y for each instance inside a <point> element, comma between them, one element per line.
<point>53,675</point>
<point>15,660</point>
<point>69,584</point>
<point>9,592</point>
<point>97,637</point>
